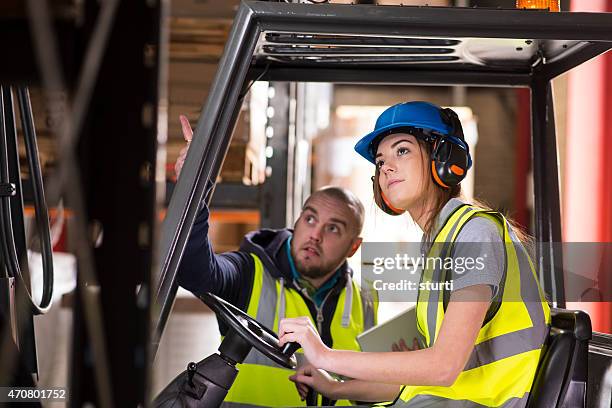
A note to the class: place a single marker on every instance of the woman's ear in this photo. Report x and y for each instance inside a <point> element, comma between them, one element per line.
<point>427,149</point>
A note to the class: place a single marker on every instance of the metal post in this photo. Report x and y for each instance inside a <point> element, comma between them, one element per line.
<point>546,190</point>
<point>209,146</point>
<point>302,148</point>
<point>120,204</point>
<point>274,207</point>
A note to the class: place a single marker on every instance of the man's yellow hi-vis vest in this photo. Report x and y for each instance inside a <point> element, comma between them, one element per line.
<point>260,381</point>
<point>502,366</point>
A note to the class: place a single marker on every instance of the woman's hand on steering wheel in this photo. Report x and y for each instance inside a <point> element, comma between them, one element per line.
<point>302,331</point>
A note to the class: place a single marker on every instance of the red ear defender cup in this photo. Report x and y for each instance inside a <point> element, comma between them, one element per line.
<point>385,205</point>
<point>396,211</point>
<point>435,175</point>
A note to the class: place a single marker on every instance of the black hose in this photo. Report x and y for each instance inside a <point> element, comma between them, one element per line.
<point>6,229</point>
<point>40,204</point>
<point>5,214</point>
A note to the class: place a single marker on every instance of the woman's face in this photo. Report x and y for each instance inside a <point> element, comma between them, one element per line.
<point>401,162</point>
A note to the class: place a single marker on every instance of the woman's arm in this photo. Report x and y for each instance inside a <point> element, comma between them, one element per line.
<point>367,391</point>
<point>437,365</point>
<point>355,390</point>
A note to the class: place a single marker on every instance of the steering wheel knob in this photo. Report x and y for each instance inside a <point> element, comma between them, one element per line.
<point>290,348</point>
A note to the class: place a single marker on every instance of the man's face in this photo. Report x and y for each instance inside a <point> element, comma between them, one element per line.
<point>325,234</point>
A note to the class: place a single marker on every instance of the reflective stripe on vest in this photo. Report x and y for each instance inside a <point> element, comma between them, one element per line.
<point>432,401</point>
<point>501,368</point>
<point>260,381</point>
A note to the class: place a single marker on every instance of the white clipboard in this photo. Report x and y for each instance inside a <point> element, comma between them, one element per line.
<point>381,338</point>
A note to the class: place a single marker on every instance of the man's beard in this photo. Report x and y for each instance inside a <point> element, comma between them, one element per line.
<point>314,272</point>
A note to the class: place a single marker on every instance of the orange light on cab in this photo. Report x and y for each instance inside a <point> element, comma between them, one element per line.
<point>551,5</point>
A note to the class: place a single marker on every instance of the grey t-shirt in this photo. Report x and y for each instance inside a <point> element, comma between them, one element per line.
<point>479,240</point>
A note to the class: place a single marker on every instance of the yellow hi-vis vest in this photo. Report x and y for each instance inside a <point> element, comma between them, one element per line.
<point>260,381</point>
<point>503,363</point>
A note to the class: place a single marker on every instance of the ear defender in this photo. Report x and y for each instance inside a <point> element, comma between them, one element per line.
<point>385,205</point>
<point>450,157</point>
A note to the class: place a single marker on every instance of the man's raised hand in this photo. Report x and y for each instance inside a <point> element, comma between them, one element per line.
<point>188,135</point>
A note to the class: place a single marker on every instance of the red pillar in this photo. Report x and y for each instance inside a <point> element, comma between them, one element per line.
<point>523,158</point>
<point>587,192</point>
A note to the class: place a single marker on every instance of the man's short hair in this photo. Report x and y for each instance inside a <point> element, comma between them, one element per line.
<point>346,197</point>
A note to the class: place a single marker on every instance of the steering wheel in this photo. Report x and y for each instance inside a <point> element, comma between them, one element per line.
<point>253,332</point>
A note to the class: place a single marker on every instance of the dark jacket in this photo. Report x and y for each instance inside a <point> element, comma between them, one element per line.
<point>230,274</point>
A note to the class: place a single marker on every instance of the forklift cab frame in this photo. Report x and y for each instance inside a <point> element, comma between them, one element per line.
<point>363,44</point>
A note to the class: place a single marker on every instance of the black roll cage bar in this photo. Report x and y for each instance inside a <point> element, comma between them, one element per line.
<point>391,45</point>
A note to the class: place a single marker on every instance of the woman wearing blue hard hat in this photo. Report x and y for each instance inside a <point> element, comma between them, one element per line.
<point>481,337</point>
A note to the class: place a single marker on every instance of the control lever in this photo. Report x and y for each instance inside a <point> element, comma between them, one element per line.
<point>191,370</point>
<point>289,349</point>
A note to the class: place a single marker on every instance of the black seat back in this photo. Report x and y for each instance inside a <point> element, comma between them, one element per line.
<point>562,373</point>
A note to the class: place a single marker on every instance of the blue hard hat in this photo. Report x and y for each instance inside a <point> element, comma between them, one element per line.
<point>419,115</point>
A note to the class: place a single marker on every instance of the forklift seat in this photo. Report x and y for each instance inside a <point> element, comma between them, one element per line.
<point>561,378</point>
